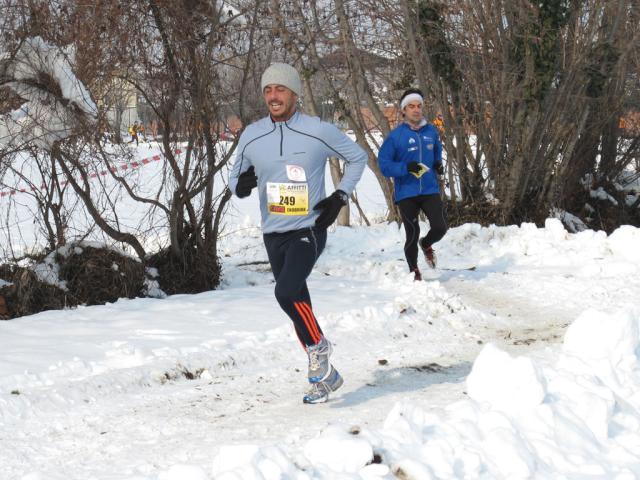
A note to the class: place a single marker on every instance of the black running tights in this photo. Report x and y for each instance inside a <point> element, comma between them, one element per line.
<point>410,208</point>
<point>292,256</point>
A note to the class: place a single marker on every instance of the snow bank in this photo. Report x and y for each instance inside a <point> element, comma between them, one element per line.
<point>184,472</point>
<point>575,418</point>
<point>250,462</point>
<point>552,247</point>
<point>625,242</point>
<point>509,384</point>
<point>578,417</point>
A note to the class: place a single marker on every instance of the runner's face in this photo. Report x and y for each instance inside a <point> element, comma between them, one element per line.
<point>281,102</point>
<point>413,112</point>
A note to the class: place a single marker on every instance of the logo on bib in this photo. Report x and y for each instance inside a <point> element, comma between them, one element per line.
<point>296,173</point>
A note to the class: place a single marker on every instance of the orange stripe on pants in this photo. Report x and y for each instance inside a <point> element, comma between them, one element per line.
<point>314,322</point>
<point>309,320</point>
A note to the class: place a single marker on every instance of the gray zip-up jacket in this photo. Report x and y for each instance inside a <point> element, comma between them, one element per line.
<point>290,159</point>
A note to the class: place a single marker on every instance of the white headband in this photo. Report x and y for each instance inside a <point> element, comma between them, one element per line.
<point>412,97</point>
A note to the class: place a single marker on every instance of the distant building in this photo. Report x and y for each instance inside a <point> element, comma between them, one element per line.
<point>629,123</point>
<point>390,112</point>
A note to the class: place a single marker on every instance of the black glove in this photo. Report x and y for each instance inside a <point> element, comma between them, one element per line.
<point>413,167</point>
<point>246,182</point>
<point>439,168</point>
<point>330,207</point>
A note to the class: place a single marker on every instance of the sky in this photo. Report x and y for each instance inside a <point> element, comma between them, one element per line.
<point>518,357</point>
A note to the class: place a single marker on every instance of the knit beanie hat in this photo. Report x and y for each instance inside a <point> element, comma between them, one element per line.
<point>282,74</point>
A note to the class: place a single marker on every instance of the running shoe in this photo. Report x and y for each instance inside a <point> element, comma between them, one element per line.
<point>319,392</point>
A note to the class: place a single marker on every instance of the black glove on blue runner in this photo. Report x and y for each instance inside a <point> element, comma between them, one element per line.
<point>330,207</point>
<point>246,182</point>
<point>413,167</point>
<point>439,168</point>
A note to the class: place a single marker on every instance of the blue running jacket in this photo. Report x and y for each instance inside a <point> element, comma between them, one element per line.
<point>405,145</point>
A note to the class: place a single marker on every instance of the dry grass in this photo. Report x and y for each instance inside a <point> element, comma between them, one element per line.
<point>94,277</point>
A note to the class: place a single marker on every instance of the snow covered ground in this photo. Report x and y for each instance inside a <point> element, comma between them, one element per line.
<point>518,358</point>
<point>524,367</point>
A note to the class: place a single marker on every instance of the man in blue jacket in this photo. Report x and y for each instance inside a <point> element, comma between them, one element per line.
<point>412,156</point>
<point>284,155</point>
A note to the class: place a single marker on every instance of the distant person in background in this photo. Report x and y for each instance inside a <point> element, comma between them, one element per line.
<point>133,131</point>
<point>412,156</point>
<point>285,155</point>
<point>141,131</point>
<point>438,122</point>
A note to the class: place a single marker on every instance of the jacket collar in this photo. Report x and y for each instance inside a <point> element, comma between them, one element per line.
<point>423,122</point>
<point>289,121</point>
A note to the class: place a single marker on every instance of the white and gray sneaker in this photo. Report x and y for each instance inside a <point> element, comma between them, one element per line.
<point>319,392</point>
<point>319,366</point>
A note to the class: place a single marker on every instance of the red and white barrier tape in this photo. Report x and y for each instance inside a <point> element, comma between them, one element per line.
<point>123,166</point>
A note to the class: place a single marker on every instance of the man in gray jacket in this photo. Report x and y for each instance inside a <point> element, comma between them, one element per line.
<point>285,156</point>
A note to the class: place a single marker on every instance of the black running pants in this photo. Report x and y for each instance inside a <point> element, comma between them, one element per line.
<point>410,208</point>
<point>292,256</point>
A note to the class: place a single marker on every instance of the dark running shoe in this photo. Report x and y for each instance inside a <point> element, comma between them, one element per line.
<point>417,276</point>
<point>429,254</point>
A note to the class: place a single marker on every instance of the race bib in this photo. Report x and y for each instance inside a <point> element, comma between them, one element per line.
<point>287,198</point>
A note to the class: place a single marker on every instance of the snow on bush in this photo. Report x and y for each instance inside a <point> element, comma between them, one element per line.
<point>47,114</point>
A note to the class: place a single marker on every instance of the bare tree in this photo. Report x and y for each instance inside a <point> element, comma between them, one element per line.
<point>536,83</point>
<point>183,74</point>
<point>532,94</point>
<point>320,40</point>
